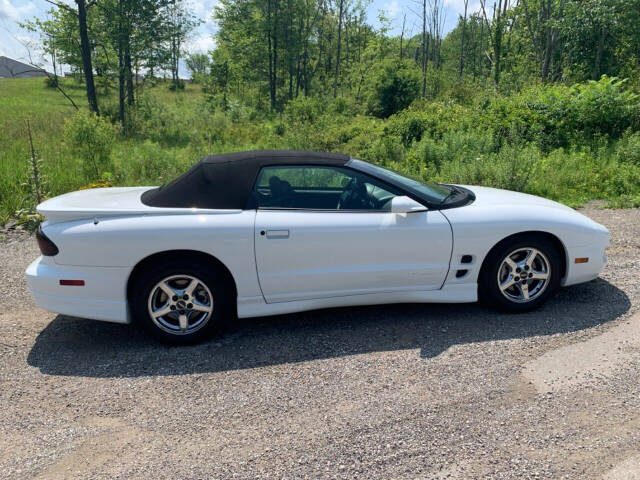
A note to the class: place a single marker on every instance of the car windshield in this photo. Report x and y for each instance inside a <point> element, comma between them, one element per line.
<point>432,192</point>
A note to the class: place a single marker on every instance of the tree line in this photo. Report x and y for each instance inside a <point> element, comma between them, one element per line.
<point>269,52</point>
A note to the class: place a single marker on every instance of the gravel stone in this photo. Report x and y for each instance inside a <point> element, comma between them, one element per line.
<point>395,391</point>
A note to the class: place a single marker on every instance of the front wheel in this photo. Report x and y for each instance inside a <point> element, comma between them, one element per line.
<point>181,303</point>
<point>520,274</point>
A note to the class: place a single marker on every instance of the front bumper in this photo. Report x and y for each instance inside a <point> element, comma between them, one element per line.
<point>584,272</point>
<point>103,296</point>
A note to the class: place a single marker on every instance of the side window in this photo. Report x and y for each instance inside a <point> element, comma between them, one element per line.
<point>320,188</point>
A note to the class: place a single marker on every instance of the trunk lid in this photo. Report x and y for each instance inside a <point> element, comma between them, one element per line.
<point>96,202</point>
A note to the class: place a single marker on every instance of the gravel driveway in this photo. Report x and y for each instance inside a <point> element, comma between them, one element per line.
<point>406,391</point>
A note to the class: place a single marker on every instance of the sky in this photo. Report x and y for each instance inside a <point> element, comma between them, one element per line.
<point>18,44</point>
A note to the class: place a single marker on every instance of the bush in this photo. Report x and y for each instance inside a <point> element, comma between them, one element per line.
<point>511,168</point>
<point>110,109</point>
<point>147,163</point>
<point>177,85</point>
<point>304,109</point>
<point>430,119</point>
<point>150,119</point>
<point>51,81</point>
<point>396,86</point>
<point>216,127</point>
<point>343,106</point>
<point>628,149</point>
<point>104,85</point>
<point>560,116</point>
<point>279,129</point>
<point>91,139</point>
<point>604,108</point>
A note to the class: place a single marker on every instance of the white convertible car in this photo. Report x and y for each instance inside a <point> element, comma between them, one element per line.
<point>264,233</point>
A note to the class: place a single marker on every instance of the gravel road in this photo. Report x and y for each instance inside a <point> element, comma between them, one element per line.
<point>403,391</point>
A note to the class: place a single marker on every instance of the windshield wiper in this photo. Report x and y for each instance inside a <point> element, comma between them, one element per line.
<point>454,191</point>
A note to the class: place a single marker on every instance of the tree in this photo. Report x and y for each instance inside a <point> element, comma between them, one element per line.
<point>496,29</point>
<point>543,30</point>
<point>590,30</point>
<point>462,37</point>
<point>396,86</point>
<point>425,49</point>
<point>341,9</point>
<point>198,64</point>
<point>287,47</point>
<point>85,49</point>
<point>180,23</point>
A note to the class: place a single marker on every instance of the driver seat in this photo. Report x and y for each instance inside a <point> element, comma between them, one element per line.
<point>281,192</point>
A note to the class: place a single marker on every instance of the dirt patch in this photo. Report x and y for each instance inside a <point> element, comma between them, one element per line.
<point>627,470</point>
<point>583,363</point>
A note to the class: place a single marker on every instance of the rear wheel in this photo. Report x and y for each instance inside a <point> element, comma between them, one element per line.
<point>520,274</point>
<point>182,303</point>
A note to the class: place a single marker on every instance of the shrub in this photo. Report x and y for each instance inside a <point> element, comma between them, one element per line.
<point>110,109</point>
<point>104,85</point>
<point>304,109</point>
<point>153,120</point>
<point>604,107</point>
<point>628,149</point>
<point>51,81</point>
<point>177,85</point>
<point>395,87</point>
<point>279,129</point>
<point>91,138</point>
<point>147,163</point>
<point>511,168</point>
<point>343,106</point>
<point>430,119</point>
<point>429,152</point>
<point>560,116</point>
<point>216,127</point>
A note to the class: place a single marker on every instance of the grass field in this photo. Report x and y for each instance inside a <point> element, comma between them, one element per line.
<point>440,140</point>
<point>47,110</point>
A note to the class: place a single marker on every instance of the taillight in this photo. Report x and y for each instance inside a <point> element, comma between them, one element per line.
<point>47,247</point>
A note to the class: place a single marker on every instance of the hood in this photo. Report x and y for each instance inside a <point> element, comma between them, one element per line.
<point>486,196</point>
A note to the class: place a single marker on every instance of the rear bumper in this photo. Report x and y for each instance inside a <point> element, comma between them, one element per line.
<point>103,297</point>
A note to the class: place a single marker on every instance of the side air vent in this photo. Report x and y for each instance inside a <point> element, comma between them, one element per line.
<point>466,259</point>
<point>461,273</point>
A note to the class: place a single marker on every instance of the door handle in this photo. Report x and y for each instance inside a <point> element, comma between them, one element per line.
<point>277,233</point>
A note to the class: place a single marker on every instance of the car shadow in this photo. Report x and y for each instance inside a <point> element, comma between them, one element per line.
<point>76,347</point>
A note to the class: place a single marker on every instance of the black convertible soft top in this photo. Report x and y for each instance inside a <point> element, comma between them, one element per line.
<point>226,181</point>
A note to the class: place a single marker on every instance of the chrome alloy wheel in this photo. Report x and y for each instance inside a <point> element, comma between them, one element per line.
<point>180,304</point>
<point>524,274</point>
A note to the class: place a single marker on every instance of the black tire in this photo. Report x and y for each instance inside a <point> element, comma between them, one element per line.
<point>212,285</point>
<point>489,290</point>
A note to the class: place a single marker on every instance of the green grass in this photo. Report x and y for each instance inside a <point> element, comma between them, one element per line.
<point>442,141</point>
<point>47,110</point>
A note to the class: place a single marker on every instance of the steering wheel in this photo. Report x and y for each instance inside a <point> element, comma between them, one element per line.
<point>355,197</point>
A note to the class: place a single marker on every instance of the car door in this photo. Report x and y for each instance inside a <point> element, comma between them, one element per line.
<point>304,252</point>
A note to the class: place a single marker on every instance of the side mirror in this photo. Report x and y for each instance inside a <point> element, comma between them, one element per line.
<point>406,205</point>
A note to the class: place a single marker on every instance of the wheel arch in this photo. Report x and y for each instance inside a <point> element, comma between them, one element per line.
<point>560,247</point>
<point>195,255</point>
